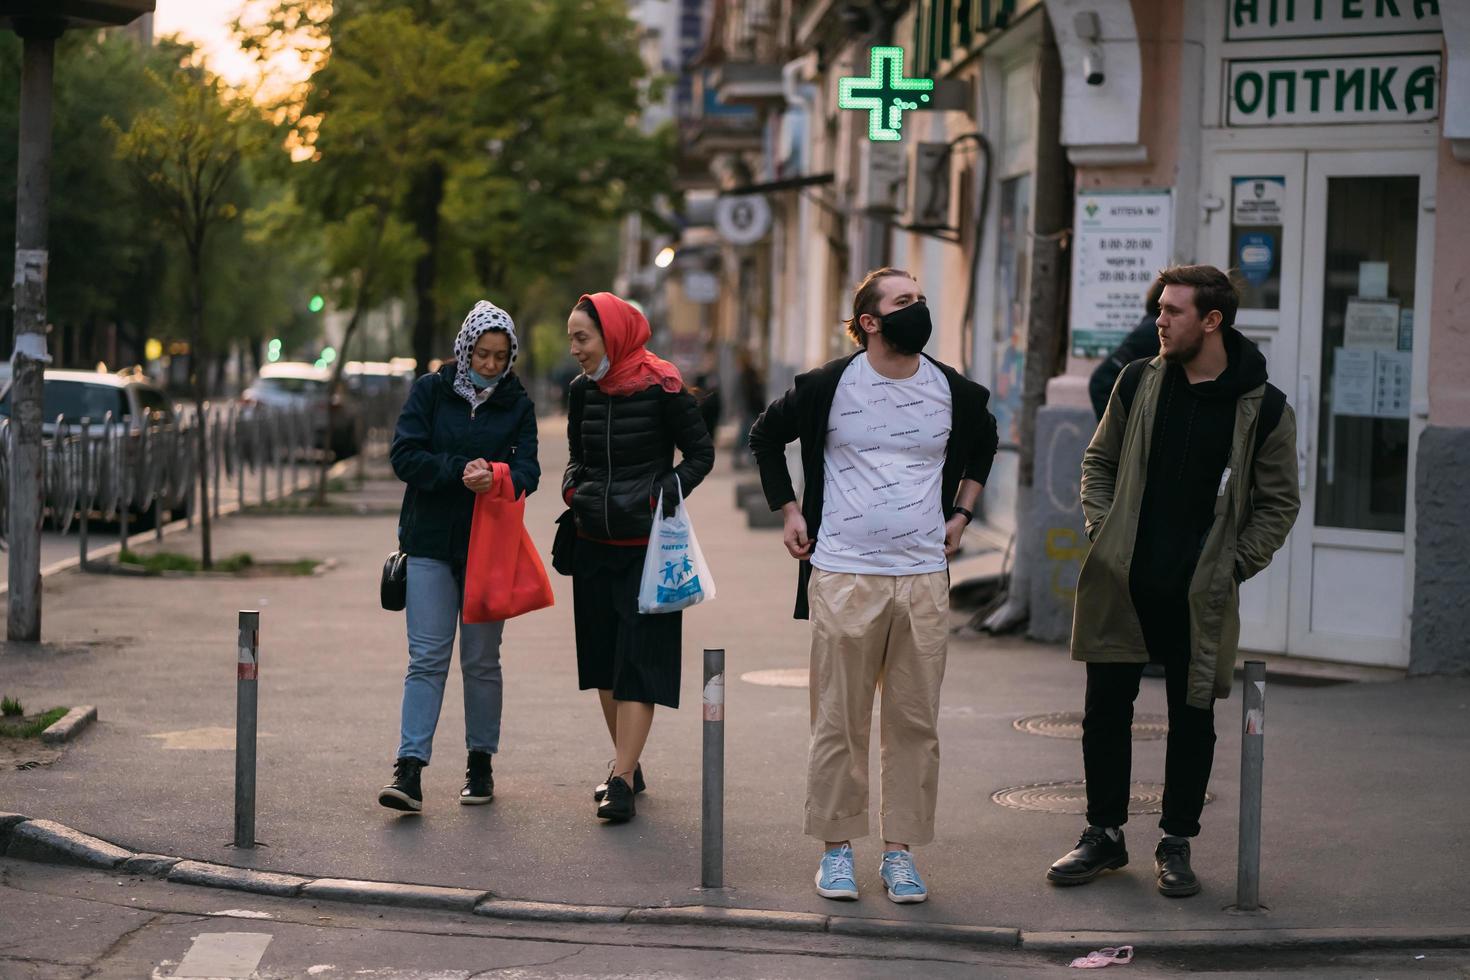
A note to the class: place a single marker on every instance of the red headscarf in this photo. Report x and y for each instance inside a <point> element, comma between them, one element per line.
<point>632,367</point>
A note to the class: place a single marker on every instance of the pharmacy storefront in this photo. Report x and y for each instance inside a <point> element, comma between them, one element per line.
<point>1318,160</point>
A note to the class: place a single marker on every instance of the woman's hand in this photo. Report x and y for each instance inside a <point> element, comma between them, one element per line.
<point>478,476</point>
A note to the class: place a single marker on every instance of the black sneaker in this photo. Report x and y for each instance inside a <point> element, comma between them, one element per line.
<point>638,784</point>
<point>1171,864</point>
<point>479,781</point>
<point>1095,853</point>
<point>404,793</point>
<point>617,805</point>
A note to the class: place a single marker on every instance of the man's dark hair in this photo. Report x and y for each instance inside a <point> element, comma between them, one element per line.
<point>1213,289</point>
<point>865,300</point>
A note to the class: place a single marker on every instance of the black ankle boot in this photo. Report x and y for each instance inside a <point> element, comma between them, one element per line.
<point>1095,853</point>
<point>1171,864</point>
<point>617,805</point>
<point>404,793</point>
<point>479,781</point>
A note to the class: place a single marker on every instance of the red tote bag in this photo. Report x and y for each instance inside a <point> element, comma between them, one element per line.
<point>503,576</point>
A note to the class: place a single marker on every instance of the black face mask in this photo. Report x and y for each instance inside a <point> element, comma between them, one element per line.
<point>907,329</point>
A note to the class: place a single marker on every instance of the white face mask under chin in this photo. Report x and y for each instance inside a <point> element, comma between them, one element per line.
<point>602,369</point>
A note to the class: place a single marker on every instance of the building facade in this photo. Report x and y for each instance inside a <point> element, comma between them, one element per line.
<point>1319,148</point>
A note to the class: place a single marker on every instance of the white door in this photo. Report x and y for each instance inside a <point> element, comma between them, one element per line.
<point>1361,365</point>
<point>1253,225</point>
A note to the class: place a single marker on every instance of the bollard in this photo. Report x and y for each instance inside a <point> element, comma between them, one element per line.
<point>87,481</point>
<point>247,670</point>
<point>712,823</point>
<point>1252,758</point>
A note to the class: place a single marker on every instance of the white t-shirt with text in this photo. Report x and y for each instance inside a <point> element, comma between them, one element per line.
<point>882,467</point>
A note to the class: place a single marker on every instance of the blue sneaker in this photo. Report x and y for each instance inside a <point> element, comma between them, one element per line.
<point>902,878</point>
<point>835,876</point>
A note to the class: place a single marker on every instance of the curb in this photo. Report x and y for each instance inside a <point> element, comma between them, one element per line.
<point>46,841</point>
<point>70,725</point>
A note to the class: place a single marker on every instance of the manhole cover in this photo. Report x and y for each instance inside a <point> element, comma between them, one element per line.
<point>1071,797</point>
<point>1068,724</point>
<point>778,677</point>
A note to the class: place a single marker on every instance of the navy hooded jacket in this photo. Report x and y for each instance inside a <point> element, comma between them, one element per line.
<point>438,433</point>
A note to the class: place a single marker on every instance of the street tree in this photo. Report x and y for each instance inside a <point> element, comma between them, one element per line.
<point>184,154</point>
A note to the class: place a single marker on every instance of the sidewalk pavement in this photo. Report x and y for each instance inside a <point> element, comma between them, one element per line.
<point>1364,827</point>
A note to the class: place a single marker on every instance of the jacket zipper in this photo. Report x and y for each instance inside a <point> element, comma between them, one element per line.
<point>607,484</point>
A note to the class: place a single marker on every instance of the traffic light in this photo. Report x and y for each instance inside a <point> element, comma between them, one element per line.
<point>316,304</point>
<point>273,350</point>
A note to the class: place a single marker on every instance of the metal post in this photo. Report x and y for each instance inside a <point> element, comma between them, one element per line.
<point>276,429</point>
<point>32,194</point>
<point>712,822</point>
<point>239,450</point>
<point>247,672</point>
<point>1252,759</point>
<point>86,481</point>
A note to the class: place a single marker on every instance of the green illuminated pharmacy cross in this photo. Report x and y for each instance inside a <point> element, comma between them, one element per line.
<point>884,94</point>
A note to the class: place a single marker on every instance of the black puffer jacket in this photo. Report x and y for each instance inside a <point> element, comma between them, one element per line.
<point>622,455</point>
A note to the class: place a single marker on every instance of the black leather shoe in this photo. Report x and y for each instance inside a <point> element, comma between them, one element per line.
<point>617,805</point>
<point>405,792</point>
<point>1171,864</point>
<point>479,781</point>
<point>1095,853</point>
<point>638,784</point>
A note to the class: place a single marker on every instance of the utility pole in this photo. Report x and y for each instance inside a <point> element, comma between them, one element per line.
<point>28,362</point>
<point>38,23</point>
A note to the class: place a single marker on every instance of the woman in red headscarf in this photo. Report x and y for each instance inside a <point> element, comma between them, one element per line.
<point>629,412</point>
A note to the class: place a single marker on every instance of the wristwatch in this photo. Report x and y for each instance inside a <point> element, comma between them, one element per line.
<point>969,514</point>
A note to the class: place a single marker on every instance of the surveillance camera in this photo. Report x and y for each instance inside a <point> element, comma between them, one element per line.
<point>1092,66</point>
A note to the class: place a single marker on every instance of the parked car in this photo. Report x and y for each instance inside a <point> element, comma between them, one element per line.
<point>298,385</point>
<point>77,395</point>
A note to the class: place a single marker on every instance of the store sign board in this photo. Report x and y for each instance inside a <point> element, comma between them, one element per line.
<point>1122,241</point>
<point>1271,20</point>
<point>1366,89</point>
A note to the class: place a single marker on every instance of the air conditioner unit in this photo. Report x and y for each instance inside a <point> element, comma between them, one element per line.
<point>881,187</point>
<point>928,201</point>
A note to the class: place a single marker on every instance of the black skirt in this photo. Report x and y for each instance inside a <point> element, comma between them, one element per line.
<point>636,657</point>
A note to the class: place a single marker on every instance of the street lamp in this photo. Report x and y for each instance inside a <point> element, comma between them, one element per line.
<point>39,23</point>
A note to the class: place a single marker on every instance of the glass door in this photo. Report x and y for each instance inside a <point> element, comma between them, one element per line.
<point>1365,274</point>
<point>1254,226</point>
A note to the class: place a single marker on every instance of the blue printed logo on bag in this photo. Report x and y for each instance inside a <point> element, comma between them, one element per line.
<point>679,581</point>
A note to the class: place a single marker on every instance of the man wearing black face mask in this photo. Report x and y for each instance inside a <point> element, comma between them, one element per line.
<point>895,449</point>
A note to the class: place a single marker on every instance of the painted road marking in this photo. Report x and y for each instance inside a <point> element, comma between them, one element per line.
<point>224,954</point>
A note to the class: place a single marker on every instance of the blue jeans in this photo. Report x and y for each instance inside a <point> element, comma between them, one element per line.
<point>435,594</point>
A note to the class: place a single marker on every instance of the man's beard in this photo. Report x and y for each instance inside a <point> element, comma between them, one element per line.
<point>1183,355</point>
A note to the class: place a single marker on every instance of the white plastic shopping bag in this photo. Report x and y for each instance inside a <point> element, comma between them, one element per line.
<point>675,575</point>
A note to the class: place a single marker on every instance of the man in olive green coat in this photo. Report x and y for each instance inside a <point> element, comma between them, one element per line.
<point>1189,486</point>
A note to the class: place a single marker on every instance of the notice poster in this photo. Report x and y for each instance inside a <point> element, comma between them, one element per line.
<point>1257,200</point>
<point>1352,381</point>
<point>1392,371</point>
<point>1122,240</point>
<point>1371,324</point>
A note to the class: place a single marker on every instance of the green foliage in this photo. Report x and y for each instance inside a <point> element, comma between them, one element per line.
<point>34,727</point>
<point>113,262</point>
<point>10,707</point>
<point>500,136</point>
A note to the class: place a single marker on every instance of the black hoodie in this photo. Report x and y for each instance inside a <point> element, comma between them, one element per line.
<point>1189,450</point>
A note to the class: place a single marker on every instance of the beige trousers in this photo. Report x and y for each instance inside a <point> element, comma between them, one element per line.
<point>871,632</point>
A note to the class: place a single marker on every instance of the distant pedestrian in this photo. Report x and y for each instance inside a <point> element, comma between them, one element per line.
<point>752,403</point>
<point>1142,341</point>
<point>456,422</point>
<point>895,448</point>
<point>1178,515</point>
<point>629,412</point>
